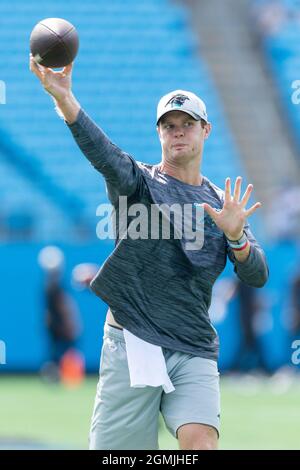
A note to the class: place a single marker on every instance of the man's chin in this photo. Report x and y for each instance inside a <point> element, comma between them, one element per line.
<point>181,153</point>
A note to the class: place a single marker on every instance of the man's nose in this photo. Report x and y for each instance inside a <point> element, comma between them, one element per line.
<point>179,131</point>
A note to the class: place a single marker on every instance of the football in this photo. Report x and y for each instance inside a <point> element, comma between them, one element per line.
<point>54,42</point>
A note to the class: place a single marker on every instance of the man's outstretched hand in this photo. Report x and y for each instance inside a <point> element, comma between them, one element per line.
<point>231,219</point>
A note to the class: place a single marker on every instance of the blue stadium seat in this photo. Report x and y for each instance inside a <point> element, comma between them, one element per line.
<point>282,49</point>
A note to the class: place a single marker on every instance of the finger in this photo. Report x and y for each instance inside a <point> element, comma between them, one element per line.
<point>247,195</point>
<point>210,210</point>
<point>67,70</point>
<point>40,67</point>
<point>252,209</point>
<point>227,190</point>
<point>35,68</point>
<point>237,189</point>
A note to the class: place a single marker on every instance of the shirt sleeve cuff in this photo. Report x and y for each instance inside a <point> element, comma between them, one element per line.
<point>79,121</point>
<point>249,264</point>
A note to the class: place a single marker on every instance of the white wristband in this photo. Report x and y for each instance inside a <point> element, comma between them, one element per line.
<point>236,244</point>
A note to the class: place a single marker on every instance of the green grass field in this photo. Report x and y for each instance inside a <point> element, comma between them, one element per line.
<point>256,414</point>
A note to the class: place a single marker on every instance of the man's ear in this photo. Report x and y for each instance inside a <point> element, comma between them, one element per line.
<point>207,129</point>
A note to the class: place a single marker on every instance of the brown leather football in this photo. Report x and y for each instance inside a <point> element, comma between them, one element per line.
<point>54,42</point>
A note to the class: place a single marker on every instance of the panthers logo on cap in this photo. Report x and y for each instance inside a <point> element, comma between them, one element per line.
<point>177,101</point>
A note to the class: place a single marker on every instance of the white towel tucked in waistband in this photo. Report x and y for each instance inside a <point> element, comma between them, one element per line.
<point>146,363</point>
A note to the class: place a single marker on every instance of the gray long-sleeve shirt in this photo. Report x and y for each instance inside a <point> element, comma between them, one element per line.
<point>159,289</point>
